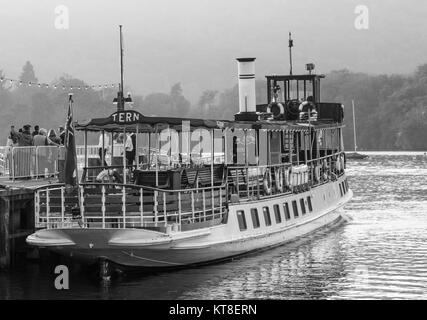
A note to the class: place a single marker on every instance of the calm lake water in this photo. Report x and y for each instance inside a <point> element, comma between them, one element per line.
<point>380,253</point>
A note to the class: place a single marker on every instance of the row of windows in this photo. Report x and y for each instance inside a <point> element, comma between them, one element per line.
<point>277,214</point>
<point>344,187</point>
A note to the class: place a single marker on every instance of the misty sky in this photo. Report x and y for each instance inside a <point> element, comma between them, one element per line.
<point>196,41</point>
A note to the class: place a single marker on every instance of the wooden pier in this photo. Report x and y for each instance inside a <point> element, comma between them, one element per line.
<point>16,216</point>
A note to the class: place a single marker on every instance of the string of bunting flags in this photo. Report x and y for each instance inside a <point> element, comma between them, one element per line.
<point>58,86</point>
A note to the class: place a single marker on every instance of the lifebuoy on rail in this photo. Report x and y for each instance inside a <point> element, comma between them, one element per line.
<point>278,174</point>
<point>317,172</point>
<point>267,182</point>
<point>287,177</point>
<point>338,164</point>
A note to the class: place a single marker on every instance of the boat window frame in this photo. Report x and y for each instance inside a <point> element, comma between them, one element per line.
<point>243,226</point>
<point>287,211</point>
<point>277,214</point>
<point>310,204</point>
<point>295,208</point>
<point>267,216</point>
<point>254,213</point>
<point>302,205</point>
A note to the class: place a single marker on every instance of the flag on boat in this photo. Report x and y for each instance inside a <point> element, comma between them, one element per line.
<point>70,168</point>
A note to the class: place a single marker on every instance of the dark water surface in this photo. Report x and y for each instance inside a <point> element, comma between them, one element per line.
<point>381,252</point>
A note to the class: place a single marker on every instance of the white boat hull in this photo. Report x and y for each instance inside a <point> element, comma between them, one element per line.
<point>150,249</point>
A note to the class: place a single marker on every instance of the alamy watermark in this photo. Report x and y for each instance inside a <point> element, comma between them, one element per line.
<point>62,281</point>
<point>362,19</point>
<point>62,18</point>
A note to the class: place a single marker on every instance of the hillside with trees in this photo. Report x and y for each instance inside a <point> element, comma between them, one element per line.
<point>391,110</point>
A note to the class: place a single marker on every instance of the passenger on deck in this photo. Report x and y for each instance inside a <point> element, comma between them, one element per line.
<point>103,147</point>
<point>129,148</point>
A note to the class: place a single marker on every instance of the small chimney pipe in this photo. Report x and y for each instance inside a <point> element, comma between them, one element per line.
<point>247,98</point>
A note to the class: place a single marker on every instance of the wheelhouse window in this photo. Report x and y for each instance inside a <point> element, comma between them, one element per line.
<point>255,218</point>
<point>242,220</point>
<point>310,207</point>
<point>295,208</point>
<point>286,209</point>
<point>267,217</point>
<point>277,213</point>
<point>301,201</point>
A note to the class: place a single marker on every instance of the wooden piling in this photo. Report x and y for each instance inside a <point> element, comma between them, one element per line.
<point>4,233</point>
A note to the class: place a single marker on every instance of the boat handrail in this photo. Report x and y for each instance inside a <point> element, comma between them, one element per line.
<point>148,188</point>
<point>62,207</point>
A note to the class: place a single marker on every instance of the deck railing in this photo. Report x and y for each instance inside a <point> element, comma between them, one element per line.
<point>119,206</point>
<point>256,182</point>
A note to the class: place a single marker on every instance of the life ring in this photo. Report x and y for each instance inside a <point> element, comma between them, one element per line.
<point>276,108</point>
<point>279,179</point>
<point>338,164</point>
<point>267,182</point>
<point>287,177</point>
<point>325,169</point>
<point>317,173</point>
<point>291,178</point>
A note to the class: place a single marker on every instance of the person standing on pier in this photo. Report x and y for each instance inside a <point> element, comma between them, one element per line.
<point>36,130</point>
<point>22,156</point>
<point>24,138</point>
<point>62,135</point>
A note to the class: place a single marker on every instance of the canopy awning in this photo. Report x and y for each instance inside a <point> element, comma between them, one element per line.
<point>133,121</point>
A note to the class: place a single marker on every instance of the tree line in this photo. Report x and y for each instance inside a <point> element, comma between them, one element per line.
<point>391,110</point>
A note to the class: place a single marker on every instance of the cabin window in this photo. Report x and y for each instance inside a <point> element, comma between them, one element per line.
<point>344,188</point>
<point>286,209</point>
<point>341,190</point>
<point>267,217</point>
<point>310,207</point>
<point>255,218</point>
<point>242,220</point>
<point>295,207</point>
<point>277,213</point>
<point>301,201</point>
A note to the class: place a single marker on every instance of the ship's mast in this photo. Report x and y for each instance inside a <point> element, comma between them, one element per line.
<point>121,100</point>
<point>291,44</point>
<point>121,62</point>
<point>354,128</point>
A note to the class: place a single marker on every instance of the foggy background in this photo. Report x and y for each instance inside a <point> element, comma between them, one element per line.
<point>180,55</point>
<point>195,41</point>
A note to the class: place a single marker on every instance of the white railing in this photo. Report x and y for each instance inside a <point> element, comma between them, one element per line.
<point>255,182</point>
<point>101,206</point>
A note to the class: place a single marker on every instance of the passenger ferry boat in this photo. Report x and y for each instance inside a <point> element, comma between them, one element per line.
<point>205,190</point>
